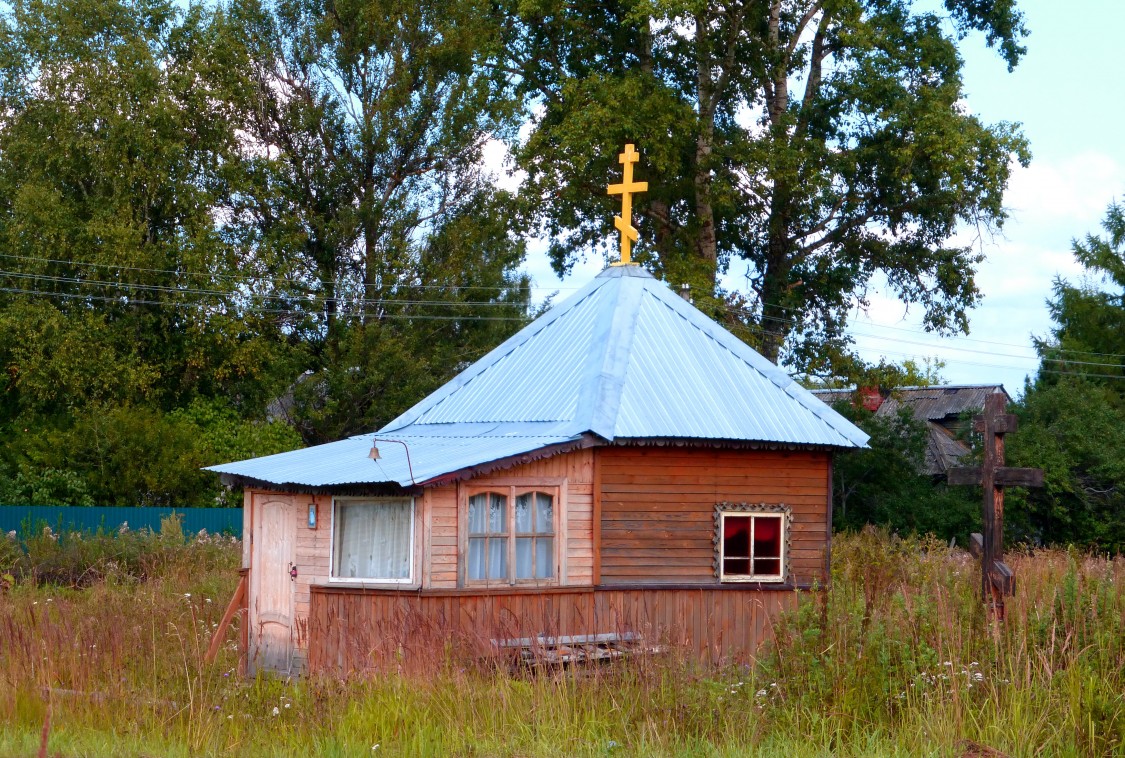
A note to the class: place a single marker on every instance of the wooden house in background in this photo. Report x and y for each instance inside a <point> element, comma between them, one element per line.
<point>623,466</point>
<point>946,410</point>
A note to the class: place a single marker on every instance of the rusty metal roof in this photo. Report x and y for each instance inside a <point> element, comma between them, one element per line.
<point>937,403</point>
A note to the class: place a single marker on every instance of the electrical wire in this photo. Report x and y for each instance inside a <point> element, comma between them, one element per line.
<point>235,293</point>
<point>275,281</point>
<point>313,299</point>
<point>497,288</point>
<point>123,300</point>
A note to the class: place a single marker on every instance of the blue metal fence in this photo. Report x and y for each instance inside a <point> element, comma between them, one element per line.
<point>20,518</point>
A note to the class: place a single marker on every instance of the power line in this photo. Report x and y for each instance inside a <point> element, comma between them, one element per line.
<point>408,317</point>
<point>236,293</point>
<point>383,302</point>
<point>453,287</point>
<point>123,300</point>
<point>275,281</point>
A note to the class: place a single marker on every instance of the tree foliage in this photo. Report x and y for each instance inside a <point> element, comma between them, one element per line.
<point>817,146</point>
<point>884,484</point>
<point>362,174</point>
<point>199,204</point>
<point>1073,415</point>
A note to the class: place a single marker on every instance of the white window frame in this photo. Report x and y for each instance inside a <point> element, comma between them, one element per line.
<point>745,510</point>
<point>409,580</point>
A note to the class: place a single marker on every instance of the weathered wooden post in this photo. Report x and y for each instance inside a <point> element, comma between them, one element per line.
<point>997,580</point>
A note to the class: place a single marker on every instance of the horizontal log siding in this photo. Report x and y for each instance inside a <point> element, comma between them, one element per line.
<point>657,508</point>
<point>359,631</point>
<point>441,512</point>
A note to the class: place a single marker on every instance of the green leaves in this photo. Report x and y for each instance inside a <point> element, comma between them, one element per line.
<point>199,204</point>
<point>818,146</point>
<point>1073,415</point>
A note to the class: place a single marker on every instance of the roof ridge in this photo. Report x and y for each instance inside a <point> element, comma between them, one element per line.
<point>599,400</point>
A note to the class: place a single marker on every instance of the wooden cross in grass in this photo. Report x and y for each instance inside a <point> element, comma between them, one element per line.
<point>997,580</point>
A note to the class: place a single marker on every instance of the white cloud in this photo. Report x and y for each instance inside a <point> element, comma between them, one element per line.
<point>1050,203</point>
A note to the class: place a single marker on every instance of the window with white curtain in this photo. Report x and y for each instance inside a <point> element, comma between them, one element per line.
<point>373,540</point>
<point>511,536</point>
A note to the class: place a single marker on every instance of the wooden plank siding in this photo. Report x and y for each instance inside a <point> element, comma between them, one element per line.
<point>352,630</point>
<point>445,506</point>
<point>657,509</point>
<point>636,527</point>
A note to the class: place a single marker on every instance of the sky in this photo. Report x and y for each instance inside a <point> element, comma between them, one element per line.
<point>1067,95</point>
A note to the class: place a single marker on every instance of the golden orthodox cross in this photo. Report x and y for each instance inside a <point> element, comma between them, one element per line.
<point>997,580</point>
<point>624,222</point>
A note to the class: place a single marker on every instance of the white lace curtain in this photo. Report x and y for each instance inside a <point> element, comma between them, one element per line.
<point>491,529</point>
<point>372,540</point>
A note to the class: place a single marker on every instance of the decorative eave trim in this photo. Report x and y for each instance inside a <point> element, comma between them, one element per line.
<point>358,489</point>
<point>703,442</point>
<point>548,451</point>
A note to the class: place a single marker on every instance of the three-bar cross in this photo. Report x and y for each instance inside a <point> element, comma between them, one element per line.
<point>624,222</point>
<point>997,580</point>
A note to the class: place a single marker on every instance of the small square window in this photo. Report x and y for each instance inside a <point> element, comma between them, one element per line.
<point>750,543</point>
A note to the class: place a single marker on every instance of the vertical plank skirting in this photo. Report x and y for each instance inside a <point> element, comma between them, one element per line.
<point>356,631</point>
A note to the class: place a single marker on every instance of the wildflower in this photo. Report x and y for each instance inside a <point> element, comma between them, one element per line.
<point>12,534</point>
<point>276,711</point>
<point>287,705</point>
<point>978,676</point>
<point>375,746</point>
<point>762,693</point>
<point>187,594</point>
<point>207,600</point>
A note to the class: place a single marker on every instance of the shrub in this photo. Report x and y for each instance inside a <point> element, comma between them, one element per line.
<point>81,559</point>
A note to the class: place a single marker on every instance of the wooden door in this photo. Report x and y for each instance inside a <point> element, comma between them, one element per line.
<point>271,588</point>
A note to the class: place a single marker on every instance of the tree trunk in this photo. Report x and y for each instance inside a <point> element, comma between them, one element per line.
<point>706,246</point>
<point>776,319</point>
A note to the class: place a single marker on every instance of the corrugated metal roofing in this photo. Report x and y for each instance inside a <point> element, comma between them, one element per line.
<point>623,358</point>
<point>428,453</point>
<point>929,403</point>
<point>936,403</point>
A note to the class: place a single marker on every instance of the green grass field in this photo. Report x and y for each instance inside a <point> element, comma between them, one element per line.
<point>897,658</point>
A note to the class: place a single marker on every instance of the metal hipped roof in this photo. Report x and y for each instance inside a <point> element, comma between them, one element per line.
<point>627,358</point>
<point>623,358</point>
<point>404,459</point>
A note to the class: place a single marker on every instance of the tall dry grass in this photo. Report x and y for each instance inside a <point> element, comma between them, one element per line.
<point>897,658</point>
